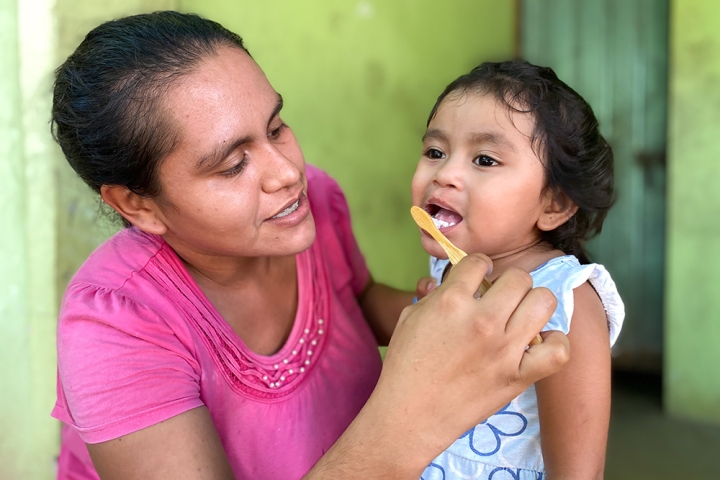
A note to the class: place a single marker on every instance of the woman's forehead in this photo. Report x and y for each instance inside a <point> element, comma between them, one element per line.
<point>226,97</point>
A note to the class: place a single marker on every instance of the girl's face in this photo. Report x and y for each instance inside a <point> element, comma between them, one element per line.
<point>235,184</point>
<point>480,178</point>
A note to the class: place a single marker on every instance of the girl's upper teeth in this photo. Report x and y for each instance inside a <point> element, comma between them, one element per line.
<point>288,210</point>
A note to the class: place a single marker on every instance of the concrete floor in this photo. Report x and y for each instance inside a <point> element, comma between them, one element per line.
<point>645,444</point>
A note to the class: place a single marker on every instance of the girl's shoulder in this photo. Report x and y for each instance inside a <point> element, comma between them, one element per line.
<point>562,275</point>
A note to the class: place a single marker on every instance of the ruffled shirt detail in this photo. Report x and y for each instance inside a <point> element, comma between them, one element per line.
<point>265,377</point>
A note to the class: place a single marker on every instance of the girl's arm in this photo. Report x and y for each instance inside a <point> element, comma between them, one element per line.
<point>382,305</point>
<point>574,404</point>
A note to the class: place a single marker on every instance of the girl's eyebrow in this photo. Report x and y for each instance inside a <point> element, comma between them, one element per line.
<point>495,138</point>
<point>435,134</point>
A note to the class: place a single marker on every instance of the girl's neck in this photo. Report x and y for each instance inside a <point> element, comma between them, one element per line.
<point>527,257</point>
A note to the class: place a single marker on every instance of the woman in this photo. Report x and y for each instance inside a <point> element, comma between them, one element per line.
<point>231,332</point>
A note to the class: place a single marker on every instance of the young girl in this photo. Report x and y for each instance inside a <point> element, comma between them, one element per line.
<point>514,166</point>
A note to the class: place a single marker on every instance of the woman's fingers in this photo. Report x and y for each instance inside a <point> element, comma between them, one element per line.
<point>546,358</point>
<point>507,293</point>
<point>531,314</point>
<point>467,275</point>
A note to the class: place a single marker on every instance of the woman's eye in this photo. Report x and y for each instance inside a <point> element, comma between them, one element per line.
<point>278,131</point>
<point>434,153</point>
<point>236,169</point>
<point>485,161</point>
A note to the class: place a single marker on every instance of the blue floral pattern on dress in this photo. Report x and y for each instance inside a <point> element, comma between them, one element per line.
<point>504,473</point>
<point>496,432</point>
<point>435,465</point>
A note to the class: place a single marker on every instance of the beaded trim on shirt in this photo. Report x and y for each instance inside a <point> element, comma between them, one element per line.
<point>244,371</point>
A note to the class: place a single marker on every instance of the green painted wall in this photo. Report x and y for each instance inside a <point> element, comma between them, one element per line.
<point>28,436</point>
<point>692,330</point>
<point>359,79</point>
<point>48,220</point>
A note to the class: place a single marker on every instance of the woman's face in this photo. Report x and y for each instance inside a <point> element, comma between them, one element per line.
<point>235,184</point>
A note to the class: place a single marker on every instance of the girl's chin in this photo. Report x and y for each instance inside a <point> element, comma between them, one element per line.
<point>433,248</point>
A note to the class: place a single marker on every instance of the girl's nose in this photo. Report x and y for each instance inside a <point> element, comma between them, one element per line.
<point>280,172</point>
<point>449,175</point>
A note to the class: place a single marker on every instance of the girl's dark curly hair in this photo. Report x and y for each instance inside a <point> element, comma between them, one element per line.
<point>578,161</point>
<point>107,98</point>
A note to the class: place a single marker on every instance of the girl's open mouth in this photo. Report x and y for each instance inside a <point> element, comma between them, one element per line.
<point>444,218</point>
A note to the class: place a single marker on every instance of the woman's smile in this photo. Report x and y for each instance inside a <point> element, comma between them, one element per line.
<point>293,214</point>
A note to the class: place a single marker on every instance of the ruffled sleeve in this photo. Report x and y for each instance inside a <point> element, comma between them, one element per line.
<point>563,275</point>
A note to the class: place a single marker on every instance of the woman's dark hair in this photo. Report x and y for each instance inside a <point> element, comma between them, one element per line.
<point>578,161</point>
<point>106,98</point>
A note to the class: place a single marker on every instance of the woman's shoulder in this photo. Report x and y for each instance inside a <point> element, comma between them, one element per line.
<point>327,201</point>
<point>118,259</point>
<point>323,190</point>
<point>131,275</point>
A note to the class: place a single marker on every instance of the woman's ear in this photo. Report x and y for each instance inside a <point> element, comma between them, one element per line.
<point>557,210</point>
<point>140,211</point>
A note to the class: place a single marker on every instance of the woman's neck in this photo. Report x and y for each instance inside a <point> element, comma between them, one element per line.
<point>229,272</point>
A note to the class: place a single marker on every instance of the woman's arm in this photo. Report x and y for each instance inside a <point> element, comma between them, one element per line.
<point>442,374</point>
<point>574,404</point>
<point>445,373</point>
<point>382,305</point>
<point>185,446</point>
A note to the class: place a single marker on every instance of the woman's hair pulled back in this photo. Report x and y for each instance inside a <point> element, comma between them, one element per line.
<point>108,93</point>
<point>578,162</point>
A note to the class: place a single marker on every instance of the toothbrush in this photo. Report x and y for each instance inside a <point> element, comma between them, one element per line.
<point>425,221</point>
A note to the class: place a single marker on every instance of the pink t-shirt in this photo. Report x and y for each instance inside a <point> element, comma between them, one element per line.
<point>138,343</point>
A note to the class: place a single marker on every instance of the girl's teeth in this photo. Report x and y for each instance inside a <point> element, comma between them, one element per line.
<point>442,223</point>
<point>288,210</point>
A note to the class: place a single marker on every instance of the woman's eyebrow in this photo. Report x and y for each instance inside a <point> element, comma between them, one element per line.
<point>276,110</point>
<point>219,154</point>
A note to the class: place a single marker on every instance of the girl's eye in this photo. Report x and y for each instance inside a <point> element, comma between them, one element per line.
<point>274,134</point>
<point>236,169</point>
<point>434,153</point>
<point>485,161</point>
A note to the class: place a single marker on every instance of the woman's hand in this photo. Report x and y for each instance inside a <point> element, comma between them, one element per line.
<point>382,305</point>
<point>452,362</point>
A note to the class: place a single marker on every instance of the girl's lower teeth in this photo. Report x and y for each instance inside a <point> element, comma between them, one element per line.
<point>288,210</point>
<point>442,223</point>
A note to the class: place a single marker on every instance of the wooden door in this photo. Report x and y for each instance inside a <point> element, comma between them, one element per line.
<point>614,53</point>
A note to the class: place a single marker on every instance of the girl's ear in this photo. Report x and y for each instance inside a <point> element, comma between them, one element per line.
<point>557,210</point>
<point>140,211</point>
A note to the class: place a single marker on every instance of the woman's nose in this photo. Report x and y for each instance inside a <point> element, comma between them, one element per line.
<point>281,171</point>
<point>449,175</point>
